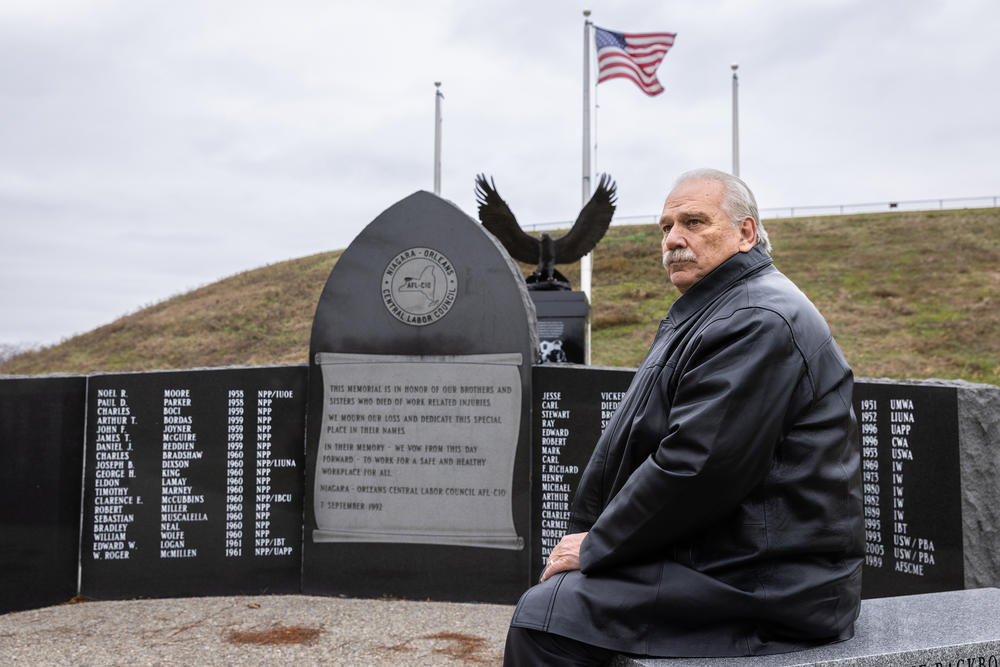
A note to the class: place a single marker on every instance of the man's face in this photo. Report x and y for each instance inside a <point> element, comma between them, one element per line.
<point>697,234</point>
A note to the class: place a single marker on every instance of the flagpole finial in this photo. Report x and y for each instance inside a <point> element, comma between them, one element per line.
<point>437,84</point>
<point>586,12</point>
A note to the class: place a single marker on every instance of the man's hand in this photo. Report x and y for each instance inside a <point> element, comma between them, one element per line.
<point>565,556</point>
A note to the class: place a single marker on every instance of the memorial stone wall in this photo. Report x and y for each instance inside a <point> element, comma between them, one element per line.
<point>41,468</point>
<point>572,405</point>
<point>912,488</point>
<point>193,483</point>
<point>918,534</point>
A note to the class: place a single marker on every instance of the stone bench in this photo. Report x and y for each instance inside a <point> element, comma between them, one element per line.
<point>952,629</point>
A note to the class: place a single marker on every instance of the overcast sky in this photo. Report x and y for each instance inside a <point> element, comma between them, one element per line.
<point>147,148</point>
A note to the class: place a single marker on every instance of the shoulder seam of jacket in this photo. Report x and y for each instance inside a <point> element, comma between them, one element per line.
<point>791,334</point>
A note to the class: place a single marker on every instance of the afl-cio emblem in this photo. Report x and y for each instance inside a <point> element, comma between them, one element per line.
<point>419,286</point>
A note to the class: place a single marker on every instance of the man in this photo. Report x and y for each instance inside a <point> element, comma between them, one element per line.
<point>720,513</point>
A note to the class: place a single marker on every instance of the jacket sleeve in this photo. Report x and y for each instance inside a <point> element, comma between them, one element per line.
<point>728,413</point>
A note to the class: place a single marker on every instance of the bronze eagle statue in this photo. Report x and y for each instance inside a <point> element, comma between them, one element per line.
<point>589,228</point>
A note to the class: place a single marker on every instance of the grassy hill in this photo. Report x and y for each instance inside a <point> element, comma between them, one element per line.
<point>907,294</point>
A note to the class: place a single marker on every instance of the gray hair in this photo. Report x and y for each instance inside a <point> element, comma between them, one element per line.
<point>737,200</point>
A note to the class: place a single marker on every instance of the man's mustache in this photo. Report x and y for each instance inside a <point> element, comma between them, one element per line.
<point>678,255</point>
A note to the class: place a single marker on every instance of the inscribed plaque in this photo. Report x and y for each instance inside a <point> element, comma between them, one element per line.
<point>418,449</point>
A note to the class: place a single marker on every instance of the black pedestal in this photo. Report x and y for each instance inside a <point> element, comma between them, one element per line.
<point>562,326</point>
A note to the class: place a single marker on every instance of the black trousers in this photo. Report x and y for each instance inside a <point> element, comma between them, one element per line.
<point>531,648</point>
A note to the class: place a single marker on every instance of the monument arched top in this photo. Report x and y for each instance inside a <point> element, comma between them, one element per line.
<point>423,278</point>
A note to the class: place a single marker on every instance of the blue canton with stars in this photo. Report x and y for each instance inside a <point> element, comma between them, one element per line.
<point>604,38</point>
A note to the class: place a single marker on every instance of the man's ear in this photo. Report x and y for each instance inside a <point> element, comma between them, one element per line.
<point>748,234</point>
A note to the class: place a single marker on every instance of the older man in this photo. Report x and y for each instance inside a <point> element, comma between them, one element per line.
<point>720,513</point>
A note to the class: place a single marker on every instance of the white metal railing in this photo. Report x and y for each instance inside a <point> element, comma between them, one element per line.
<point>811,211</point>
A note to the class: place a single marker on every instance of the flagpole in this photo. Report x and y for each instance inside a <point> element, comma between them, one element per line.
<point>586,115</point>
<point>736,122</point>
<point>437,137</point>
<point>586,261</point>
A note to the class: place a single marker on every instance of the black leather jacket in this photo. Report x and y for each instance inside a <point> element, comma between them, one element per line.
<point>723,501</point>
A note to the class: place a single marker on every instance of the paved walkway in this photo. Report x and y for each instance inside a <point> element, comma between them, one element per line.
<point>256,630</point>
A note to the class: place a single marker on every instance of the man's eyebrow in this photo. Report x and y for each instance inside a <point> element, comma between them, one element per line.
<point>681,216</point>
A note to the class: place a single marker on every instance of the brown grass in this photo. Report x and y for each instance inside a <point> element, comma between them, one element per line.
<point>263,316</point>
<point>907,295</point>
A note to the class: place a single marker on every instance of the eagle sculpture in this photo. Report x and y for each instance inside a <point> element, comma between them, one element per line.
<point>589,228</point>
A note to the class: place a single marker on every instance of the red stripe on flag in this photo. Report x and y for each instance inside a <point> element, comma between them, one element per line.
<point>616,62</point>
<point>658,36</point>
<point>651,90</point>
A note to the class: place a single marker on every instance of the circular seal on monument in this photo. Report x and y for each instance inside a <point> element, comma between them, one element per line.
<point>419,286</point>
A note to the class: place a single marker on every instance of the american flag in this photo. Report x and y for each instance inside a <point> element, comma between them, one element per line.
<point>632,55</point>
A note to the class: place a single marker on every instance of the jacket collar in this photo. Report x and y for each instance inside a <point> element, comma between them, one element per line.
<point>721,278</point>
